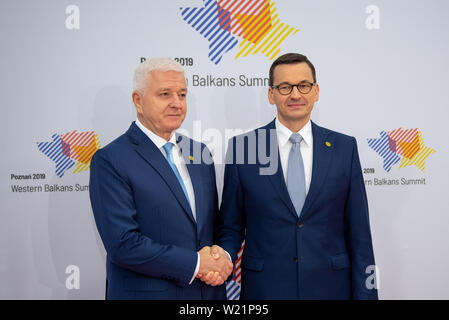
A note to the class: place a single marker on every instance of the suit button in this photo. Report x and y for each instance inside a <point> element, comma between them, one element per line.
<point>296,259</point>
<point>300,224</point>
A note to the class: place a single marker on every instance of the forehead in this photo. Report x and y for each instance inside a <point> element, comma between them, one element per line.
<point>292,73</point>
<point>166,79</point>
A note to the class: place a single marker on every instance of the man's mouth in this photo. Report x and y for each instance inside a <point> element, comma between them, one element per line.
<point>296,105</point>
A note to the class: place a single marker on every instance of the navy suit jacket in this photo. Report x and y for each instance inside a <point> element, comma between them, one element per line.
<point>324,253</point>
<point>145,221</point>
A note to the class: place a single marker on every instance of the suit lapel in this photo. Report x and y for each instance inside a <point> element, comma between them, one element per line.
<point>148,151</point>
<point>322,156</point>
<point>277,179</point>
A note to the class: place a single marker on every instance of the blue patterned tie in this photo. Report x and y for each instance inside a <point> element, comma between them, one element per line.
<point>296,183</point>
<point>168,148</point>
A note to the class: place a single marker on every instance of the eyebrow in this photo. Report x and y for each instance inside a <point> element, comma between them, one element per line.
<point>286,82</point>
<point>168,89</point>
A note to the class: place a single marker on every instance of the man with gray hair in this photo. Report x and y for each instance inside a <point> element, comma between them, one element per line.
<point>154,199</point>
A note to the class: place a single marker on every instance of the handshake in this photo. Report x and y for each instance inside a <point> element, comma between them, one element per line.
<point>215,265</point>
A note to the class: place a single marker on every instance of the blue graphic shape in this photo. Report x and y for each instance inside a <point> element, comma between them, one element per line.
<point>210,21</point>
<point>59,152</point>
<point>232,290</point>
<point>384,147</point>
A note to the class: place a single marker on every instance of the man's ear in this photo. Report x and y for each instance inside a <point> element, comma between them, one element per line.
<point>137,99</point>
<point>270,95</point>
<point>317,97</point>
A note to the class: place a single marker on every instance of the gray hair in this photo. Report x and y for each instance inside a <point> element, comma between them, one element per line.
<point>141,72</point>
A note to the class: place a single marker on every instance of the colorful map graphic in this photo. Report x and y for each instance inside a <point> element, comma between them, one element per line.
<point>252,24</point>
<point>234,285</point>
<point>71,149</point>
<point>404,145</point>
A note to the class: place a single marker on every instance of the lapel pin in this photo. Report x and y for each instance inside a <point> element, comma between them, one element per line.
<point>191,158</point>
<point>328,144</point>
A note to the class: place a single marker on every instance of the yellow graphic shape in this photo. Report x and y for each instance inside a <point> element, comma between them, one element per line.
<point>415,153</point>
<point>408,149</point>
<point>263,31</point>
<point>255,26</point>
<point>83,153</point>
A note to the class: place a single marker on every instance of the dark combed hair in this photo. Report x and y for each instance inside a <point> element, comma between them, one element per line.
<point>290,58</point>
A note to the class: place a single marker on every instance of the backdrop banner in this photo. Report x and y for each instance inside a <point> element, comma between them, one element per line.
<point>66,80</point>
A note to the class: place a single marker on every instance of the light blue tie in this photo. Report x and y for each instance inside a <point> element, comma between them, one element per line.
<point>296,183</point>
<point>168,148</point>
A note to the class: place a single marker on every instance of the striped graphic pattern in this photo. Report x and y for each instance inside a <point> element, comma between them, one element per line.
<point>261,28</point>
<point>254,22</point>
<point>384,147</point>
<point>233,286</point>
<point>71,150</point>
<point>405,145</point>
<point>411,146</point>
<point>214,25</point>
<point>54,151</point>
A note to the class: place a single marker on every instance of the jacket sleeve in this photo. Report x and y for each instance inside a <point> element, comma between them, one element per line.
<point>358,233</point>
<point>232,213</point>
<point>115,216</point>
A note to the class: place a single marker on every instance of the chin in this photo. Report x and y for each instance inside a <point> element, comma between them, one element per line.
<point>173,126</point>
<point>297,115</point>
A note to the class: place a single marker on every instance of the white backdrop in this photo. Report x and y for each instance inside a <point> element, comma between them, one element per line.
<point>67,65</point>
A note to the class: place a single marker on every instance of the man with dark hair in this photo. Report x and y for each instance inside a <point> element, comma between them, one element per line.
<point>306,227</point>
<point>291,58</point>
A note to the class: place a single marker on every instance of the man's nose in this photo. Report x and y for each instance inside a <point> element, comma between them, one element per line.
<point>295,93</point>
<point>175,101</point>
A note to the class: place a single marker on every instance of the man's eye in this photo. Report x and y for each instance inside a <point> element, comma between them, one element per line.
<point>285,87</point>
<point>164,94</point>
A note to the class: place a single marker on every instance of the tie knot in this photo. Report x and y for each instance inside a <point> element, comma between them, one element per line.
<point>295,138</point>
<point>167,147</point>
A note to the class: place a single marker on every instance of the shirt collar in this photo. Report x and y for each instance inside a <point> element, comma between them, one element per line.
<point>158,141</point>
<point>284,133</point>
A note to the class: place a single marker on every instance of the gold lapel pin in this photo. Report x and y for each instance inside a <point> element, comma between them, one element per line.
<point>191,158</point>
<point>328,144</point>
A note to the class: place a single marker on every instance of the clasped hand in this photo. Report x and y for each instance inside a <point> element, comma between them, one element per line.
<point>215,265</point>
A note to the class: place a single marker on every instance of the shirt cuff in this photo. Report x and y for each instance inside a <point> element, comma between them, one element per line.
<point>229,256</point>
<point>197,268</point>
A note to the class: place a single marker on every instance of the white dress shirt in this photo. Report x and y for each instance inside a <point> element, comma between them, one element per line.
<point>306,147</point>
<point>182,168</point>
<point>177,159</point>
